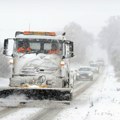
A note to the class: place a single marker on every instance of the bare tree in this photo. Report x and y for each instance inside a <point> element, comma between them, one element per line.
<point>81,40</point>
<point>109,37</point>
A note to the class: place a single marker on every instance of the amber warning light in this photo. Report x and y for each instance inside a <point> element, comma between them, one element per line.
<point>39,33</point>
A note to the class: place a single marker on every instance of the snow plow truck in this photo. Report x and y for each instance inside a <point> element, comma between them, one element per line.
<point>40,63</point>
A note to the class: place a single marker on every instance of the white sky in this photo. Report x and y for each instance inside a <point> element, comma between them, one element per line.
<point>53,15</point>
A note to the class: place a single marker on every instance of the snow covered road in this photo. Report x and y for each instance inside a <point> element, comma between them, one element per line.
<point>99,101</point>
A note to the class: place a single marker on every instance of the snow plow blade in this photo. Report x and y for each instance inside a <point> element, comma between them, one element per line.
<point>62,94</point>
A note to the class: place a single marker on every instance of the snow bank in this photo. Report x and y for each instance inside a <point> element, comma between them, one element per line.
<point>12,100</point>
<point>100,102</point>
<point>4,82</point>
<point>106,101</point>
<point>22,114</point>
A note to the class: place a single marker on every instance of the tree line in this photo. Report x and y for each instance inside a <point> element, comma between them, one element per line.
<point>109,38</point>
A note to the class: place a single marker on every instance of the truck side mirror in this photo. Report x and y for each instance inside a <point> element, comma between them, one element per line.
<point>69,49</point>
<point>8,47</point>
<point>5,47</point>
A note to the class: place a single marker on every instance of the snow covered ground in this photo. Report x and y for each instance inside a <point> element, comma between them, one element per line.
<point>107,103</point>
<point>99,102</point>
<point>21,114</point>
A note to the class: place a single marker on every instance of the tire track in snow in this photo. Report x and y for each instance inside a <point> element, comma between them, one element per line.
<point>49,114</point>
<point>7,111</point>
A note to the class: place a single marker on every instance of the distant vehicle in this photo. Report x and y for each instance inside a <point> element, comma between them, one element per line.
<point>91,61</point>
<point>95,66</point>
<point>95,69</point>
<point>85,73</point>
<point>100,62</point>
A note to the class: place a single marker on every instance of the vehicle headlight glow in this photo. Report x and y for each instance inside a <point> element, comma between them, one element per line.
<point>11,61</point>
<point>77,74</point>
<point>62,63</point>
<point>90,74</point>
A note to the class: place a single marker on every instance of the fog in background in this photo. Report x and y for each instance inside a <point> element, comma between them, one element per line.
<point>109,38</point>
<point>84,21</point>
<point>52,15</point>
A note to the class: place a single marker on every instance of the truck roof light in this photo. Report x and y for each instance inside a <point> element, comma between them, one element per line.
<point>39,33</point>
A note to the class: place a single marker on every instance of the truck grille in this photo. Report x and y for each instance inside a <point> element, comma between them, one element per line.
<point>31,70</point>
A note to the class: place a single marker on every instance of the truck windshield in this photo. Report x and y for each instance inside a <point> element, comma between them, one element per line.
<point>46,46</point>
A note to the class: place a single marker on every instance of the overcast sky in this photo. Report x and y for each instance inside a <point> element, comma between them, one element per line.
<point>53,15</point>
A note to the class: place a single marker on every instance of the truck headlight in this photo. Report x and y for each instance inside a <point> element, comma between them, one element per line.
<point>90,74</point>
<point>62,63</point>
<point>10,61</point>
<point>77,74</point>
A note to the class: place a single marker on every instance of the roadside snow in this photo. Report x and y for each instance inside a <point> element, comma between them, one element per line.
<point>4,82</point>
<point>100,102</point>
<point>22,114</point>
<point>12,100</point>
<point>107,106</point>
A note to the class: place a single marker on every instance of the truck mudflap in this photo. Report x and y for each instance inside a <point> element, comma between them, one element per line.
<point>60,94</point>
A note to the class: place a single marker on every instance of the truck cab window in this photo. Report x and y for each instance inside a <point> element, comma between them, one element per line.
<point>47,46</point>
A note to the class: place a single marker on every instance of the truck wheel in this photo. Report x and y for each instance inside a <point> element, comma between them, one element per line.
<point>71,96</point>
